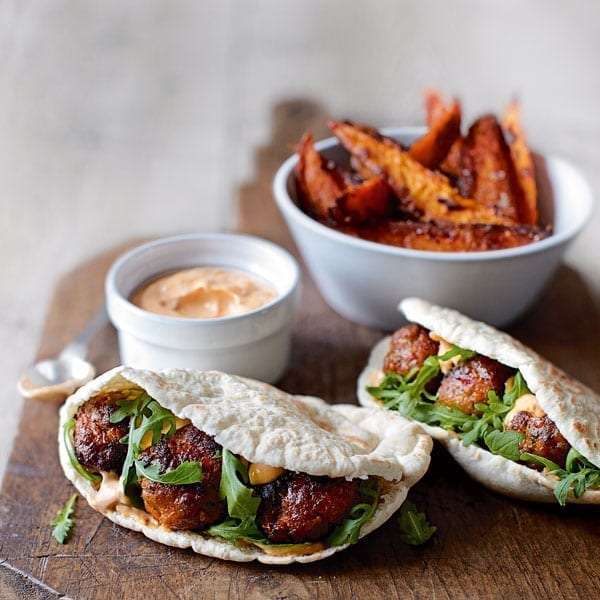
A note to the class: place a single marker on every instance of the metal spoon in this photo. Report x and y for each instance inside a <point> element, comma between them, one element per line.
<point>57,378</point>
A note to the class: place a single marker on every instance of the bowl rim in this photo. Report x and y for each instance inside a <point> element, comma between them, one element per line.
<point>111,289</point>
<point>289,208</point>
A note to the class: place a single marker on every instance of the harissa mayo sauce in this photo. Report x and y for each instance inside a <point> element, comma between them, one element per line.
<point>203,293</point>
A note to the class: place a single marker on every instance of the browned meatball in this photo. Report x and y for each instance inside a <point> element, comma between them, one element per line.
<point>95,438</point>
<point>542,437</point>
<point>186,506</point>
<point>409,347</point>
<point>469,382</point>
<point>297,507</point>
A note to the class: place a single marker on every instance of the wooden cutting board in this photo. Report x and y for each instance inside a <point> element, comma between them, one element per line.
<point>486,545</point>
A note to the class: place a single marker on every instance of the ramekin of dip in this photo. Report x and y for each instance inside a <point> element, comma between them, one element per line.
<point>205,301</point>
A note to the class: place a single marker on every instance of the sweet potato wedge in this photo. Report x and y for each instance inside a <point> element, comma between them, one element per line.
<point>435,109</point>
<point>521,156</point>
<point>318,186</point>
<point>329,193</point>
<point>444,129</point>
<point>445,237</point>
<point>488,174</point>
<point>435,106</point>
<point>425,195</point>
<point>363,202</point>
<point>451,165</point>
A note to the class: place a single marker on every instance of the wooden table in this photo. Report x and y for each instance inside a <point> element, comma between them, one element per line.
<point>486,546</point>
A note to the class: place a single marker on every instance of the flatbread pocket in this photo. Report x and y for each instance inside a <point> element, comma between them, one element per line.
<point>537,439</point>
<point>179,450</point>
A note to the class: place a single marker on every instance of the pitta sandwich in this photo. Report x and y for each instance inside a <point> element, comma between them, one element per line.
<point>234,468</point>
<point>514,421</point>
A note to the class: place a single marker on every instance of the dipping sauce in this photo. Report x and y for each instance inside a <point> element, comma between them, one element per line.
<point>203,293</point>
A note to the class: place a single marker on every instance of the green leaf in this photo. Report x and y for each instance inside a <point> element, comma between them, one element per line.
<point>575,461</point>
<point>415,528</point>
<point>68,440</point>
<point>63,522</point>
<point>552,467</point>
<point>519,389</point>
<point>407,394</point>
<point>348,532</point>
<point>457,351</point>
<point>128,404</point>
<point>447,417</point>
<point>563,487</point>
<point>504,443</point>
<point>234,529</point>
<point>241,502</point>
<point>185,473</point>
<point>242,506</point>
<point>578,476</point>
<point>146,415</point>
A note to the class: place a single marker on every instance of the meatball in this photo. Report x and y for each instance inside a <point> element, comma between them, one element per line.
<point>469,382</point>
<point>95,438</point>
<point>410,346</point>
<point>542,437</point>
<point>191,505</point>
<point>297,507</point>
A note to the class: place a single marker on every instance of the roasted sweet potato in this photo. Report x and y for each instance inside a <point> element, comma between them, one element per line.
<point>424,194</point>
<point>319,184</point>
<point>488,174</point>
<point>445,237</point>
<point>329,193</point>
<point>447,192</point>
<point>363,202</point>
<point>444,129</point>
<point>451,165</point>
<point>435,107</point>
<point>521,156</point>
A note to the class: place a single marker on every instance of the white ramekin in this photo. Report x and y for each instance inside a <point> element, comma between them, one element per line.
<point>254,344</point>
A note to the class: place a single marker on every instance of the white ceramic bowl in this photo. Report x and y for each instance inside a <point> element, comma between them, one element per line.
<point>364,281</point>
<point>254,344</point>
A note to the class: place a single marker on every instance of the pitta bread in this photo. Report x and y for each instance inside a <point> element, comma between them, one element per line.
<point>266,425</point>
<point>571,405</point>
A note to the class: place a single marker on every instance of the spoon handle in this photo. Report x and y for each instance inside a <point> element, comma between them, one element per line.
<point>79,346</point>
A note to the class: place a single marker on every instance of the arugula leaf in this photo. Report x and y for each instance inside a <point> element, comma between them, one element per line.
<point>504,443</point>
<point>447,417</point>
<point>349,531</point>
<point>409,396</point>
<point>236,529</point>
<point>146,415</point>
<point>415,528</point>
<point>241,502</point>
<point>457,351</point>
<point>550,466</point>
<point>68,439</point>
<point>518,389</point>
<point>578,476</point>
<point>127,403</point>
<point>477,427</point>
<point>575,460</point>
<point>242,505</point>
<point>186,472</point>
<point>63,522</point>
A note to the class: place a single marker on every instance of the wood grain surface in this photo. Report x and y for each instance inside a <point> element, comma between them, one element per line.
<point>486,546</point>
